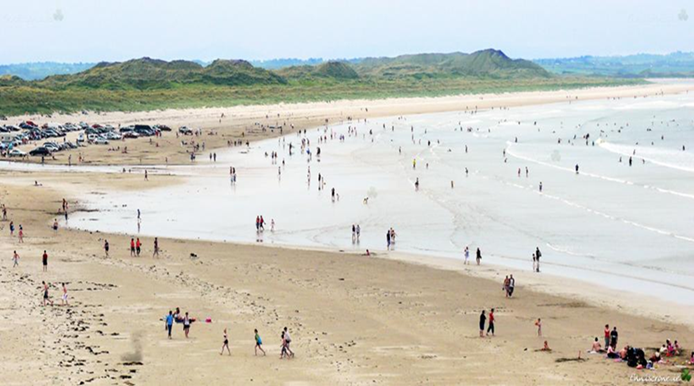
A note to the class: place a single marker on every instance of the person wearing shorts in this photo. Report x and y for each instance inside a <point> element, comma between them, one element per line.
<point>258,343</point>
<point>45,261</point>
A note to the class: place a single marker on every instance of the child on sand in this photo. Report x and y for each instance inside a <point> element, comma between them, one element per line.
<point>64,298</point>
<point>15,259</point>
<point>539,326</point>
<point>45,294</point>
<point>546,347</point>
<point>258,343</point>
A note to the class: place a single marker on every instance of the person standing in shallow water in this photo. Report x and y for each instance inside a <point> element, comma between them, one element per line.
<point>479,256</point>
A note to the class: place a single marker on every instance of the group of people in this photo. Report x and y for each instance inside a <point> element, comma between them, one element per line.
<point>390,238</point>
<point>356,233</point>
<point>46,298</point>
<point>285,350</point>
<point>177,317</point>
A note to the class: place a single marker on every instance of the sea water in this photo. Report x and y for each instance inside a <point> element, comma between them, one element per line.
<point>624,227</point>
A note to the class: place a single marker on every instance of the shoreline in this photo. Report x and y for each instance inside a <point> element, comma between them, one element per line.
<point>252,122</point>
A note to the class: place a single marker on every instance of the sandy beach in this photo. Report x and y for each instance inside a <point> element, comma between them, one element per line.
<point>390,318</point>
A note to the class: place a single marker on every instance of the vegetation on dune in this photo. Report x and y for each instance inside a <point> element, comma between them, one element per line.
<point>149,84</point>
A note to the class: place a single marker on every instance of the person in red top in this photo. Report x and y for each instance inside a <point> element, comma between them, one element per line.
<point>45,261</point>
<point>138,246</point>
<point>607,336</point>
<point>491,323</point>
<point>132,247</point>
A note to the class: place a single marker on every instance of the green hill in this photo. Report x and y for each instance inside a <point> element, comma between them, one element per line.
<point>146,73</point>
<point>329,70</point>
<point>487,63</point>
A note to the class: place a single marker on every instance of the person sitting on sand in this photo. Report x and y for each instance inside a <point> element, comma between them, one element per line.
<point>546,347</point>
<point>597,348</point>
<point>611,353</point>
<point>655,358</point>
<point>691,359</point>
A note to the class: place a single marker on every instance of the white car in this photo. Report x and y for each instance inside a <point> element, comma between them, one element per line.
<point>112,135</point>
<point>100,141</point>
<point>16,153</point>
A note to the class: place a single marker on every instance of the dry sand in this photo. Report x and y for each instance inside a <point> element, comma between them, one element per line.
<point>353,319</point>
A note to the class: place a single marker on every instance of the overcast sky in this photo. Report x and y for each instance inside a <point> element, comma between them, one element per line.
<point>113,30</point>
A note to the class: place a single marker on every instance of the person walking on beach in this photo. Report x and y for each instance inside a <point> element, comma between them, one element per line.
<point>540,186</point>
<point>15,260</point>
<point>11,228</point>
<point>607,336</point>
<point>138,247</point>
<point>225,344</point>
<point>132,247</point>
<point>45,294</point>
<point>483,321</point>
<point>288,340</point>
<point>156,247</point>
<point>511,286</point>
<point>283,353</point>
<point>21,234</point>
<point>537,259</point>
<point>491,323</point>
<point>467,255</point>
<point>169,323</point>
<point>538,324</point>
<point>106,247</point>
<point>44,259</point>
<point>479,256</point>
<point>258,344</point>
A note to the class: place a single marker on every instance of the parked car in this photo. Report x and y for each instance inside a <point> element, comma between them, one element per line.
<point>112,135</point>
<point>130,134</point>
<point>40,151</point>
<point>100,141</point>
<point>162,128</point>
<point>16,153</point>
<point>52,147</point>
<point>185,130</point>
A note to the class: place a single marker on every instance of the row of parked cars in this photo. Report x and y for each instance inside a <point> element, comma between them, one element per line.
<point>13,136</point>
